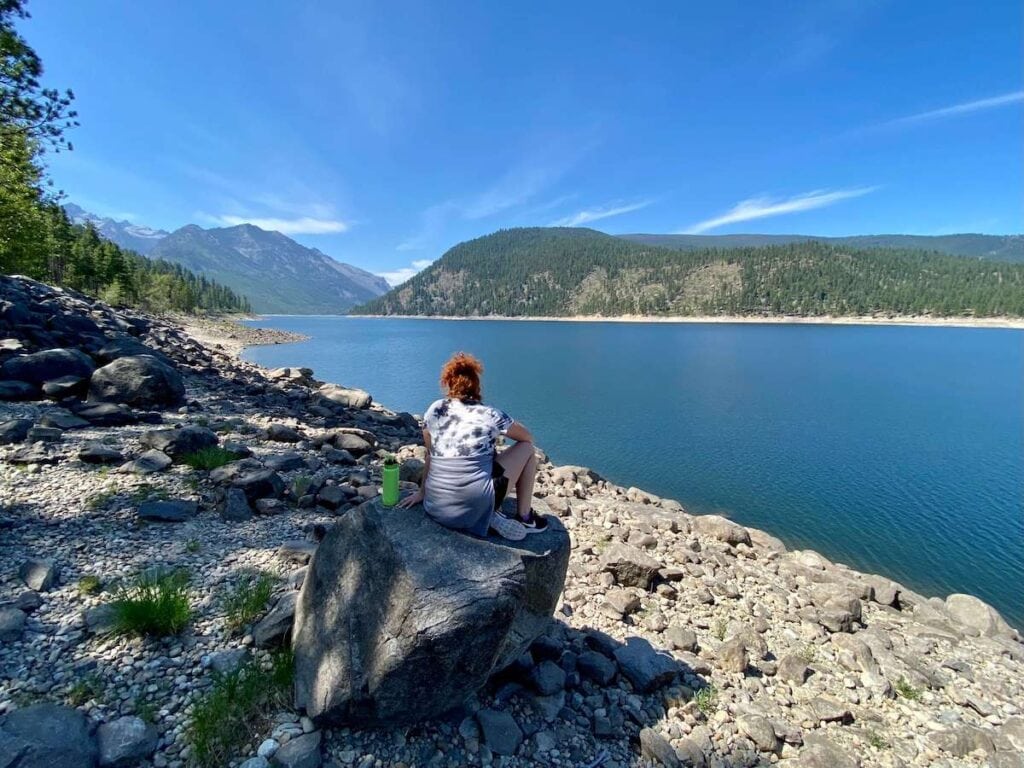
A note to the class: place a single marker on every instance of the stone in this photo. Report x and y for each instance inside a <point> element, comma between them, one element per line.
<point>225,662</point>
<point>828,710</point>
<point>691,754</point>
<point>236,507</point>
<point>962,741</point>
<point>681,639</point>
<point>653,746</point>
<point>823,753</point>
<point>262,484</point>
<point>792,669</point>
<point>270,506</point>
<point>39,434</point>
<point>645,667</point>
<point>622,601</point>
<point>300,752</point>
<point>732,656</point>
<point>125,741</point>
<point>118,348</point>
<point>501,733</point>
<point>297,551</point>
<point>94,452</point>
<point>179,441</point>
<point>14,431</point>
<point>12,624</point>
<point>46,736</point>
<point>18,390</point>
<point>45,366</point>
<point>150,463</point>
<point>281,433</point>
<point>38,574</point>
<point>547,678</point>
<point>268,748</point>
<point>346,396</point>
<point>255,762</point>
<point>718,527</point>
<point>354,444</point>
<point>760,731</point>
<point>977,615</point>
<point>630,566</point>
<point>415,617</point>
<point>285,462</point>
<point>107,414</point>
<point>65,386</point>
<point>142,381</point>
<point>100,619</point>
<point>275,627</point>
<point>171,511</point>
<point>64,420</point>
<point>597,667</point>
<point>331,497</point>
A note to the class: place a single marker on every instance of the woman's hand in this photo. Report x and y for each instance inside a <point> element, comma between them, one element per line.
<point>412,500</point>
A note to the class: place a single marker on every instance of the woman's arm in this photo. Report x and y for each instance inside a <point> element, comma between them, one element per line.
<point>416,498</point>
<point>519,433</point>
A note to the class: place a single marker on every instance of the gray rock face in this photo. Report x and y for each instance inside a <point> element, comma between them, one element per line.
<point>175,511</point>
<point>977,615</point>
<point>40,575</point>
<point>125,741</point>
<point>630,566</point>
<point>46,736</point>
<point>400,619</point>
<point>179,441</point>
<point>48,365</point>
<point>141,381</point>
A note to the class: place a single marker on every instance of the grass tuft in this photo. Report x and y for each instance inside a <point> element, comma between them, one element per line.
<point>719,629</point>
<point>154,604</point>
<point>876,741</point>
<point>238,708</point>
<point>907,691</point>
<point>300,485</point>
<point>90,585</point>
<point>87,688</point>
<point>248,599</point>
<point>208,458</point>
<point>705,699</point>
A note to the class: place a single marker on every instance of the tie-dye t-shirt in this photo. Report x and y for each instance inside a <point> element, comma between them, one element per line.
<point>460,428</point>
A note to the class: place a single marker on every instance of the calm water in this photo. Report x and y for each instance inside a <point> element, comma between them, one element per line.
<point>896,450</point>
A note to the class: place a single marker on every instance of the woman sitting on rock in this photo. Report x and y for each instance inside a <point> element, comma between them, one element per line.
<point>465,479</point>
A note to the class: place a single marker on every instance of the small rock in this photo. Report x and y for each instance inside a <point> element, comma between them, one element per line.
<point>502,734</point>
<point>39,575</point>
<point>300,752</point>
<point>174,511</point>
<point>654,746</point>
<point>125,741</point>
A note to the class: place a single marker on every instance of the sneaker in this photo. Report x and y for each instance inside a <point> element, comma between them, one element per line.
<point>507,529</point>
<point>534,523</point>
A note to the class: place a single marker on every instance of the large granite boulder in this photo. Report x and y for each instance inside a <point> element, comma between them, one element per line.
<point>139,380</point>
<point>49,364</point>
<point>401,619</point>
<point>46,736</point>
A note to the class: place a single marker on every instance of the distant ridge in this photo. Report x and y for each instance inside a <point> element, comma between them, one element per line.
<point>276,274</point>
<point>995,247</point>
<point>567,272</point>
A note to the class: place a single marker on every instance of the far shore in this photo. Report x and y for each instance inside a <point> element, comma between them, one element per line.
<point>952,322</point>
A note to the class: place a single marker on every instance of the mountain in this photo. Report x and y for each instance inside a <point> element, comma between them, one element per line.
<point>566,272</point>
<point>134,237</point>
<point>995,247</point>
<point>273,271</point>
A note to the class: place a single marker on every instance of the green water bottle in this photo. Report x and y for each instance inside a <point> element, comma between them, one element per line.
<point>390,490</point>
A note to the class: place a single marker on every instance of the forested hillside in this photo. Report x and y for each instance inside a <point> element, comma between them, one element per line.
<point>565,272</point>
<point>36,237</point>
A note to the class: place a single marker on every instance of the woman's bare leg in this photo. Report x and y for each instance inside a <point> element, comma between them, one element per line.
<point>520,466</point>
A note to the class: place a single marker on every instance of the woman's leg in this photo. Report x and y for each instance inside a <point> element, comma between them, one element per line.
<point>519,463</point>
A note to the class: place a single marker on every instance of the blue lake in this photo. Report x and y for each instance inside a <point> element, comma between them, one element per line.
<point>896,450</point>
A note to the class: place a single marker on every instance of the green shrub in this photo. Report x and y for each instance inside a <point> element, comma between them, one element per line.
<point>705,699</point>
<point>88,688</point>
<point>238,707</point>
<point>208,458</point>
<point>907,691</point>
<point>248,599</point>
<point>153,604</point>
<point>300,485</point>
<point>90,585</point>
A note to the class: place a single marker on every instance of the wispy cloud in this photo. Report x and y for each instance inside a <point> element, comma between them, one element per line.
<point>303,225</point>
<point>596,214</point>
<point>956,110</point>
<point>765,207</point>
<point>399,276</point>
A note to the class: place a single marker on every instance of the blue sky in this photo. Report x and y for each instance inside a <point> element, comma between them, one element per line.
<point>385,132</point>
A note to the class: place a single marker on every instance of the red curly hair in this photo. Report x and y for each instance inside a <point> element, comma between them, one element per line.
<point>460,377</point>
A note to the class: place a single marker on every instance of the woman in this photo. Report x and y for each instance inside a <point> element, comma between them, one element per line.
<point>465,480</point>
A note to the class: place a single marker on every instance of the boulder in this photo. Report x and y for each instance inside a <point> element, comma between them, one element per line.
<point>14,431</point>
<point>107,414</point>
<point>501,733</point>
<point>350,398</point>
<point>236,507</point>
<point>139,380</point>
<point>65,386</point>
<point>977,615</point>
<point>282,433</point>
<point>402,619</point>
<point>720,528</point>
<point>300,752</point>
<point>97,453</point>
<point>654,747</point>
<point>17,390</point>
<point>12,623</point>
<point>148,463</point>
<point>61,419</point>
<point>179,441</point>
<point>175,511</point>
<point>125,741</point>
<point>645,667</point>
<point>48,365</point>
<point>353,444</point>
<point>262,484</point>
<point>46,736</point>
<point>273,628</point>
<point>39,575</point>
<point>630,566</point>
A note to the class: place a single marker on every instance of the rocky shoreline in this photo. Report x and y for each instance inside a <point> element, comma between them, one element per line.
<point>748,654</point>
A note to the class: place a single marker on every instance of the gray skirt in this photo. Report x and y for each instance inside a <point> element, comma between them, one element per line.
<point>460,492</point>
